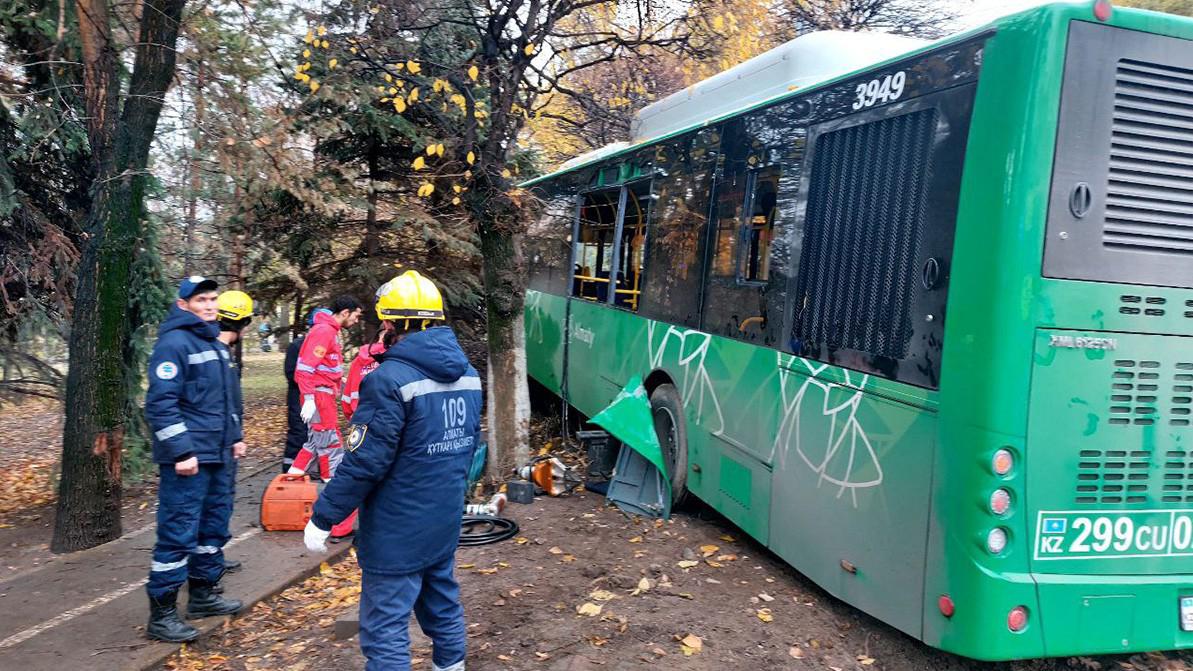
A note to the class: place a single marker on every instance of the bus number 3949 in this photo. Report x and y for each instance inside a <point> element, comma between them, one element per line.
<point>885,90</point>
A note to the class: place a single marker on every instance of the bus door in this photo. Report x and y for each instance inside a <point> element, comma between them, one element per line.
<point>607,278</point>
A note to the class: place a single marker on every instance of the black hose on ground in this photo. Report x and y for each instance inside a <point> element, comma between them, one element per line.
<point>483,530</point>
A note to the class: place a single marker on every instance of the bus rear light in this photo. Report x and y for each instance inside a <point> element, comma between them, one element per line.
<point>1017,619</point>
<point>1003,462</point>
<point>1102,10</point>
<point>1000,502</point>
<point>996,540</point>
<point>946,605</point>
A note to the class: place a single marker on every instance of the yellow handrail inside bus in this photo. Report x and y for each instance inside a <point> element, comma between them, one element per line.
<point>747,322</point>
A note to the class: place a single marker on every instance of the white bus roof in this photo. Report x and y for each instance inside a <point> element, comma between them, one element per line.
<point>804,61</point>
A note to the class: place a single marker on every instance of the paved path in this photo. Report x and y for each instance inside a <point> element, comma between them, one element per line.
<point>87,610</point>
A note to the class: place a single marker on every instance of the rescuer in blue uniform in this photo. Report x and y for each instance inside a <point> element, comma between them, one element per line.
<point>192,411</point>
<point>409,450</point>
<point>234,312</point>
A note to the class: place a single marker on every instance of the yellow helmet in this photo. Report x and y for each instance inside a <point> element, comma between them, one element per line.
<point>234,305</point>
<point>409,296</point>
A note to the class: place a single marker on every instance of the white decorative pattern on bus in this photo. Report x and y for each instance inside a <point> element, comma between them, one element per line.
<point>696,380</point>
<point>844,426</point>
<point>534,325</point>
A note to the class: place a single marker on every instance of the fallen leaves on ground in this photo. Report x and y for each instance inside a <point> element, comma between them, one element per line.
<point>26,483</point>
<point>588,608</point>
<point>278,634</point>
<point>691,644</point>
<point>34,429</point>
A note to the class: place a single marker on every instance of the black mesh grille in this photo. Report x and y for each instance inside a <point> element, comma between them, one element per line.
<point>866,205</point>
<point>1149,198</point>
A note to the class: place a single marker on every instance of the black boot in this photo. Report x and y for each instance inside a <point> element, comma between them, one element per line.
<point>204,602</point>
<point>231,565</point>
<point>164,623</point>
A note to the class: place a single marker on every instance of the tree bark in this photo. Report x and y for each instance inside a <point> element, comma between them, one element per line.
<point>507,388</point>
<point>297,324</point>
<point>90,489</point>
<point>196,178</point>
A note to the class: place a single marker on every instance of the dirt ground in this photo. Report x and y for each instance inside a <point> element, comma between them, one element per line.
<point>584,587</point>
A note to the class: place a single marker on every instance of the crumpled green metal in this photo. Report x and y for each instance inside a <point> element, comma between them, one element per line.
<point>629,419</point>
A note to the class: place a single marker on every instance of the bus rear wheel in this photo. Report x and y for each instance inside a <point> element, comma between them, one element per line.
<point>666,408</point>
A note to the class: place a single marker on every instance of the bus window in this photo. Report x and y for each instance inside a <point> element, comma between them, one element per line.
<point>548,241</point>
<point>745,294</point>
<point>731,196</point>
<point>632,247</point>
<point>677,226</point>
<point>594,246</point>
<point>760,226</point>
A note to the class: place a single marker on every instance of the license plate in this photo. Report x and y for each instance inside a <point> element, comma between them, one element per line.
<point>1113,534</point>
<point>1187,613</point>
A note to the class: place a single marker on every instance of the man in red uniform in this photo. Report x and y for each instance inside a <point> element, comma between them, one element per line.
<point>318,374</point>
<point>364,363</point>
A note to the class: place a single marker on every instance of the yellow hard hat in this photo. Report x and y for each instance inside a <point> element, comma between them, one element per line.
<point>409,296</point>
<point>234,305</point>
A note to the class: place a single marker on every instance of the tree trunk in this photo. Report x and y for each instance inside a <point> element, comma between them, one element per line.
<point>284,334</point>
<point>298,324</point>
<point>372,242</point>
<point>196,178</point>
<point>508,394</point>
<point>93,434</point>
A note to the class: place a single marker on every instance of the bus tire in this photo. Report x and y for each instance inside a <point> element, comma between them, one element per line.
<point>666,407</point>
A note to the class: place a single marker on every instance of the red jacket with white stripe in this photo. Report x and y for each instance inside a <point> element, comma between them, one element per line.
<point>362,365</point>
<point>321,360</point>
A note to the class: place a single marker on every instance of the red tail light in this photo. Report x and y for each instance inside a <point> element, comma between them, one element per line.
<point>1102,10</point>
<point>1017,619</point>
<point>946,605</point>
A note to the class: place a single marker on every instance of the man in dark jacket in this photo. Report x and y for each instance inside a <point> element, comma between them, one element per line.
<point>409,450</point>
<point>296,429</point>
<point>191,409</point>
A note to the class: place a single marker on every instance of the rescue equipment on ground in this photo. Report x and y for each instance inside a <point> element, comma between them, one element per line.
<point>287,502</point>
<point>493,508</point>
<point>550,475</point>
<point>483,530</point>
<point>520,491</point>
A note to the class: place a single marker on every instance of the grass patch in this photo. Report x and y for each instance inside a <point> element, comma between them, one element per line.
<point>264,375</point>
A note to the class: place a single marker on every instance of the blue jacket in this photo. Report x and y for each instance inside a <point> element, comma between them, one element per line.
<point>409,450</point>
<point>193,402</point>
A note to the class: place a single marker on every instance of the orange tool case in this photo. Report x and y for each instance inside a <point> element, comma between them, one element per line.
<point>287,503</point>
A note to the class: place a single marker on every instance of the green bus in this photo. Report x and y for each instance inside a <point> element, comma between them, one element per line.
<point>924,329</point>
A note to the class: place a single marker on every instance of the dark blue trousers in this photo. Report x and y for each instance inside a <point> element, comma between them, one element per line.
<point>192,526</point>
<point>386,602</point>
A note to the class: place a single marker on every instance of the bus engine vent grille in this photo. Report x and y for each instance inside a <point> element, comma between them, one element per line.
<point>1113,476</point>
<point>868,184</point>
<point>1135,393</point>
<point>1149,196</point>
<point>1178,477</point>
<point>1152,306</point>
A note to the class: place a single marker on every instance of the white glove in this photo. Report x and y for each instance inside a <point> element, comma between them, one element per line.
<point>308,409</point>
<point>315,538</point>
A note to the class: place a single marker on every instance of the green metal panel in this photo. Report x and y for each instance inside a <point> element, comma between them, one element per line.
<point>544,322</point>
<point>852,488</point>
